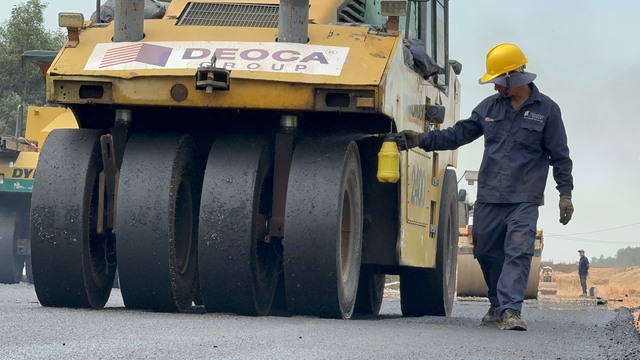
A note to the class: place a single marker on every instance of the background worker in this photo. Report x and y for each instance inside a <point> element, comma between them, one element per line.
<point>583,271</point>
<point>523,135</point>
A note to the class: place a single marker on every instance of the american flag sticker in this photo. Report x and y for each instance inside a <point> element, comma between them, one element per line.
<point>142,53</point>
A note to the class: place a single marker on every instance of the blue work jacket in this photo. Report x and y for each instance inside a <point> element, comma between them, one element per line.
<point>583,266</point>
<point>518,149</point>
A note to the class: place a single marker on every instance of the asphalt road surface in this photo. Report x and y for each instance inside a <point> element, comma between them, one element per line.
<point>557,330</point>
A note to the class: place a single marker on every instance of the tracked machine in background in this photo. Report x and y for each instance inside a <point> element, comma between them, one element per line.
<point>470,279</point>
<point>548,281</point>
<point>225,157</point>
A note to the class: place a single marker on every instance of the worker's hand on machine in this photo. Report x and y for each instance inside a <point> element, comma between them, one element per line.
<point>408,139</point>
<point>566,209</point>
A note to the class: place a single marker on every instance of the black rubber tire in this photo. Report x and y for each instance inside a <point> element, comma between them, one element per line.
<point>323,229</point>
<point>73,265</point>
<point>370,291</point>
<point>432,291</point>
<point>157,222</point>
<point>238,269</point>
<point>28,269</point>
<point>11,264</point>
<point>197,297</point>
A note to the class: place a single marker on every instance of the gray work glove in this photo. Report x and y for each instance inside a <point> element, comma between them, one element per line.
<point>566,209</point>
<point>408,139</point>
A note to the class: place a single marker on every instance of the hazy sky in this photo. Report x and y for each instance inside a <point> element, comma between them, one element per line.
<point>587,58</point>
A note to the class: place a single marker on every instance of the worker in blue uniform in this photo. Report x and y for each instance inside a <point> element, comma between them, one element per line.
<point>523,135</point>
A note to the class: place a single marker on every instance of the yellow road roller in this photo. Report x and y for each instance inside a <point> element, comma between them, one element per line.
<point>226,157</point>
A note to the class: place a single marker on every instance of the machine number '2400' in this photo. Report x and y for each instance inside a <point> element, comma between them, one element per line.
<point>418,181</point>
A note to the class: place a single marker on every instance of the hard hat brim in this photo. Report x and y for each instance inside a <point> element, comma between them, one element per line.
<point>486,78</point>
<point>518,78</point>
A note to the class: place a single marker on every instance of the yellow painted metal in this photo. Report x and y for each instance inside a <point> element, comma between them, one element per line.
<point>42,119</point>
<point>364,69</point>
<point>404,96</point>
<point>320,11</point>
<point>324,11</point>
<point>419,194</point>
<point>368,54</point>
<point>27,160</point>
<point>417,248</point>
<point>420,200</point>
<point>365,103</point>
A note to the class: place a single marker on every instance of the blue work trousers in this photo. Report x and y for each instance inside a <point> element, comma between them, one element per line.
<point>583,283</point>
<point>504,238</point>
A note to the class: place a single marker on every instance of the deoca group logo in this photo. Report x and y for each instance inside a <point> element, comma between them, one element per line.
<point>269,57</point>
<point>257,59</point>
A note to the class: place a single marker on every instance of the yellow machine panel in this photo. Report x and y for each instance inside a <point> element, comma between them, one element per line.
<point>42,119</point>
<point>260,69</point>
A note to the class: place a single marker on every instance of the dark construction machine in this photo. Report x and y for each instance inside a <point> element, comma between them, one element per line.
<point>17,167</point>
<point>18,158</point>
<point>225,156</point>
<point>470,281</point>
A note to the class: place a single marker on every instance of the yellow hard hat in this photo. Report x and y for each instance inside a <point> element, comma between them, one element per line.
<point>501,59</point>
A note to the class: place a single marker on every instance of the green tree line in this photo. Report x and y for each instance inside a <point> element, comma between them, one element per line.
<point>20,82</point>
<point>624,257</point>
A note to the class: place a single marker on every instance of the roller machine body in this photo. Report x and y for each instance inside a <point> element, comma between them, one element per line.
<point>225,157</point>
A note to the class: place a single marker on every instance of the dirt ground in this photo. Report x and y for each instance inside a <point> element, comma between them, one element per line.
<point>618,286</point>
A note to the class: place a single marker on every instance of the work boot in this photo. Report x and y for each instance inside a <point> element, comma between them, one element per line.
<point>511,321</point>
<point>491,317</point>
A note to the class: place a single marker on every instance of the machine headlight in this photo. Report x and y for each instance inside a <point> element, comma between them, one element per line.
<point>73,22</point>
<point>393,7</point>
<point>70,20</point>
